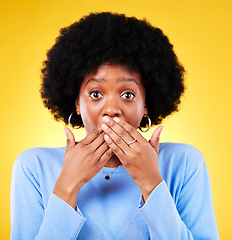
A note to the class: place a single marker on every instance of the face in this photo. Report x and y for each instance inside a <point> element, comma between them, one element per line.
<point>112,91</point>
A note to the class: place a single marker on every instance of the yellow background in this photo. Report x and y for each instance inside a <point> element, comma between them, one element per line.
<point>202,37</point>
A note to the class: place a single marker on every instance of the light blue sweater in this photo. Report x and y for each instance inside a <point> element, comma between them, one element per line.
<point>180,207</point>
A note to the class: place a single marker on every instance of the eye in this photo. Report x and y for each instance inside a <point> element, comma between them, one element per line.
<point>128,95</point>
<point>95,95</point>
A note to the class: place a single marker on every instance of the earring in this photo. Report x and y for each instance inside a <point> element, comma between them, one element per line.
<point>69,121</point>
<point>149,124</point>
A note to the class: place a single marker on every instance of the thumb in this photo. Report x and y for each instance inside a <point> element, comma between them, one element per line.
<point>155,138</point>
<point>70,139</point>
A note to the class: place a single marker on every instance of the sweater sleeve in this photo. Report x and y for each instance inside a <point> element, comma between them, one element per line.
<point>192,216</point>
<point>29,218</point>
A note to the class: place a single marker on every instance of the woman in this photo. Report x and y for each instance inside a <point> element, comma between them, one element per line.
<point>112,74</point>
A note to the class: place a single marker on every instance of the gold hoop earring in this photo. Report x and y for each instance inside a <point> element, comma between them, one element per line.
<point>149,124</point>
<point>69,121</point>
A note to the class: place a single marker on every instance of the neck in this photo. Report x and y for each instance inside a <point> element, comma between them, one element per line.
<point>113,162</point>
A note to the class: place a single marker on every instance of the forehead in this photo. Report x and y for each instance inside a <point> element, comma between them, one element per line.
<point>113,73</point>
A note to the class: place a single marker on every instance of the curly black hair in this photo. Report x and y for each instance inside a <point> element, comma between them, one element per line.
<point>112,38</point>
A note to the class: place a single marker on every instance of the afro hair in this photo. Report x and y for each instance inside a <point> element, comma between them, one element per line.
<point>111,37</point>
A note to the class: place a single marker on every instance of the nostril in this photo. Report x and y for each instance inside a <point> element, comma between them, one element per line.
<point>111,111</point>
<point>111,115</point>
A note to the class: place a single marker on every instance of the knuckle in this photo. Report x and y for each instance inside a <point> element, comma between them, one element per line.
<point>134,155</point>
<point>109,152</point>
<point>136,151</point>
<point>122,123</point>
<point>111,123</point>
<point>85,155</point>
<point>115,149</point>
<point>96,132</point>
<point>122,133</point>
<point>98,164</point>
<point>109,142</point>
<point>105,145</point>
<point>131,130</point>
<point>118,140</point>
<point>102,135</point>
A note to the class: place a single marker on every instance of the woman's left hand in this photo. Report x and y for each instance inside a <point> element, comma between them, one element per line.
<point>140,158</point>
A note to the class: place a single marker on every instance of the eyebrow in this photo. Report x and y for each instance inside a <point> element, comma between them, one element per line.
<point>128,80</point>
<point>95,80</point>
<point>120,80</point>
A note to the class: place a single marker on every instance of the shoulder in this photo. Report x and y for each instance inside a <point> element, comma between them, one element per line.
<point>181,152</point>
<point>178,160</point>
<point>31,158</point>
<point>179,164</point>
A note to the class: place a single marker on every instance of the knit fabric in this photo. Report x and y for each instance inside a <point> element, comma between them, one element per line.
<point>179,208</point>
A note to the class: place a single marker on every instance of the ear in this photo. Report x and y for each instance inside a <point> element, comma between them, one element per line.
<point>77,107</point>
<point>145,111</point>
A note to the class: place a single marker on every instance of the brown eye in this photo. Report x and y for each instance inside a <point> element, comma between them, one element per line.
<point>95,95</point>
<point>128,95</point>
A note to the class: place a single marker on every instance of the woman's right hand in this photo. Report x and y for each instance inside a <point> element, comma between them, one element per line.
<point>81,163</point>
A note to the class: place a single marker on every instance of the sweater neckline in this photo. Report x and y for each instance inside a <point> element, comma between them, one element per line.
<point>120,169</point>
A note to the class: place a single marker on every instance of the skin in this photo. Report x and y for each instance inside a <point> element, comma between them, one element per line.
<point>111,91</point>
<point>111,103</point>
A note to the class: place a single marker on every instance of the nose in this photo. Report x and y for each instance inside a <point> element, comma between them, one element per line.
<point>111,108</point>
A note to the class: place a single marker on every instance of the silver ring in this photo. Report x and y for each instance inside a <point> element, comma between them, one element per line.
<point>132,142</point>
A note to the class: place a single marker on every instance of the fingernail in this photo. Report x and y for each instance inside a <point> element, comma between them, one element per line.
<point>104,127</point>
<point>116,119</point>
<point>107,139</point>
<point>106,119</point>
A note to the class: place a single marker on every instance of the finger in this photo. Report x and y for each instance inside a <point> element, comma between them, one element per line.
<point>105,158</point>
<point>155,138</point>
<point>96,143</point>
<point>120,131</point>
<point>70,138</point>
<point>101,149</point>
<point>131,130</point>
<point>116,139</point>
<point>91,136</point>
<point>101,154</point>
<point>115,148</point>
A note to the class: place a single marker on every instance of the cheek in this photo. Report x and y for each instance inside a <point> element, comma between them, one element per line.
<point>134,114</point>
<point>89,115</point>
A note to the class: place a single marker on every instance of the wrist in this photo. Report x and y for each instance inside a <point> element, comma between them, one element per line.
<point>148,188</point>
<point>66,192</point>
